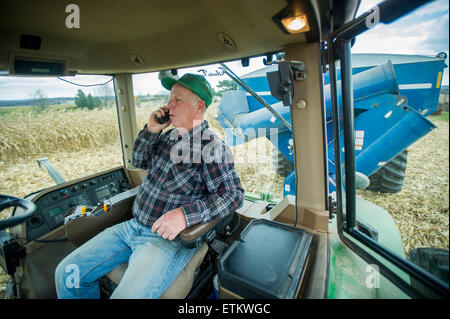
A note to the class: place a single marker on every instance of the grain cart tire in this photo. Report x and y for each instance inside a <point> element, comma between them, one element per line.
<point>433,260</point>
<point>389,178</point>
<point>281,164</point>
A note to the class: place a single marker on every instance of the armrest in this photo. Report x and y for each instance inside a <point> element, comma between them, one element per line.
<point>193,232</point>
<point>195,235</point>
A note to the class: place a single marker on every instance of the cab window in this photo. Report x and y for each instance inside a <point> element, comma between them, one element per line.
<point>73,125</point>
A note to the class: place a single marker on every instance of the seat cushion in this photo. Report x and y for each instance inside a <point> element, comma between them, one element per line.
<point>182,284</point>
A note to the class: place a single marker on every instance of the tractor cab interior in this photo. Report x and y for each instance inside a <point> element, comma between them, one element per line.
<point>148,37</point>
<point>80,223</point>
<point>111,38</point>
<point>39,249</point>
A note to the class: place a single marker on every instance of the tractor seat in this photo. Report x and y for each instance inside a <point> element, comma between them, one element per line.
<point>196,236</point>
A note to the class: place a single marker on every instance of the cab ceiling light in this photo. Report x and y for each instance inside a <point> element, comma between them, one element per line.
<point>296,24</point>
<point>292,19</point>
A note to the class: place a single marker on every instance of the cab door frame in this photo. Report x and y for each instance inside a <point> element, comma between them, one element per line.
<point>339,49</point>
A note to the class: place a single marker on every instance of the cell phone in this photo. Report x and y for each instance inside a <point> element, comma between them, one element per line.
<point>163,119</point>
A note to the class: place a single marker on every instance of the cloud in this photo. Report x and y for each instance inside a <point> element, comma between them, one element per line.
<point>148,83</point>
<point>434,7</point>
<point>412,35</point>
<point>14,88</point>
<point>431,8</point>
<point>422,32</point>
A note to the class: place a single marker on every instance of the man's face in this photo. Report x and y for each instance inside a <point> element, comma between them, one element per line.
<point>183,107</point>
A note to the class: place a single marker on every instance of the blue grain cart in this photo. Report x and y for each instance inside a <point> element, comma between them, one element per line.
<point>393,94</point>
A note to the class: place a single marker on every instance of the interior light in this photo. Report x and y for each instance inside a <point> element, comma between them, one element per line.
<point>296,24</point>
<point>292,19</point>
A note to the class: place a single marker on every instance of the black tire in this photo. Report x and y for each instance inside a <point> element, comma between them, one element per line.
<point>280,163</point>
<point>389,178</point>
<point>433,260</point>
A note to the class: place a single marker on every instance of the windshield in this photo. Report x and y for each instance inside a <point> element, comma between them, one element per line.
<point>74,125</point>
<point>253,147</point>
<point>72,121</point>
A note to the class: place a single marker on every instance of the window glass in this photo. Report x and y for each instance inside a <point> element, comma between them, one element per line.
<point>401,137</point>
<point>74,127</point>
<point>253,158</point>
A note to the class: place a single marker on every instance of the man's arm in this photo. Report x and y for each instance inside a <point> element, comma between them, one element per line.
<point>146,139</point>
<point>226,195</point>
<point>143,148</point>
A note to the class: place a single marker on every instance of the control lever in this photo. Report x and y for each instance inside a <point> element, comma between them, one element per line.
<point>163,119</point>
<point>81,223</point>
<point>85,211</point>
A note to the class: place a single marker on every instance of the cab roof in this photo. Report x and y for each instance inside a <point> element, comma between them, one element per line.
<point>135,36</point>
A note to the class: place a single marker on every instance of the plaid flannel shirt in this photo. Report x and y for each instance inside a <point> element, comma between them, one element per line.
<point>194,171</point>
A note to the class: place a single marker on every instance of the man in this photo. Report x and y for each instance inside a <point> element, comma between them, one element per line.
<point>190,179</point>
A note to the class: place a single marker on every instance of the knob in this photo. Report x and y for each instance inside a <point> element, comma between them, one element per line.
<point>65,193</point>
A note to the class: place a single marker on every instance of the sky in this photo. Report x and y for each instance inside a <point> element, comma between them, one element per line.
<point>422,32</point>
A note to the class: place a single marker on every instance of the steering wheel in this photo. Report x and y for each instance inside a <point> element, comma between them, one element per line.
<point>7,201</point>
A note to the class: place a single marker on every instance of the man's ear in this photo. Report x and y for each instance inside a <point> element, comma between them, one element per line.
<point>201,106</point>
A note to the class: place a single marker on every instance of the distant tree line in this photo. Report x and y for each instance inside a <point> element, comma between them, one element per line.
<point>104,97</point>
<point>89,102</point>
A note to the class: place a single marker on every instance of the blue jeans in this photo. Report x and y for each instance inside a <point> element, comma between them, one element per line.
<point>153,263</point>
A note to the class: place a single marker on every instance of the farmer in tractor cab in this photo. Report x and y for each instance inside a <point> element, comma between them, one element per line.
<point>190,179</point>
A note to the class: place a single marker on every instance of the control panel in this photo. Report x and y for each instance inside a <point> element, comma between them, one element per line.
<point>52,207</point>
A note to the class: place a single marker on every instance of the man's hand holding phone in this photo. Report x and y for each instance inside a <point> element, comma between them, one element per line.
<point>159,120</point>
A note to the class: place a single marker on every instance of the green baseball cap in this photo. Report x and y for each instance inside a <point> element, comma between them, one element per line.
<point>194,82</point>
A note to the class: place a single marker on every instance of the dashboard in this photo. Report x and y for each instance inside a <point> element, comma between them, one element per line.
<point>53,205</point>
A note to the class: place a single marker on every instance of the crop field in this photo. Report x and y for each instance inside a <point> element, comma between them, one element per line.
<point>420,209</point>
<point>82,142</point>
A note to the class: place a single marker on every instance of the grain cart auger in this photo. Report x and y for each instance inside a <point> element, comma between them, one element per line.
<point>389,114</point>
